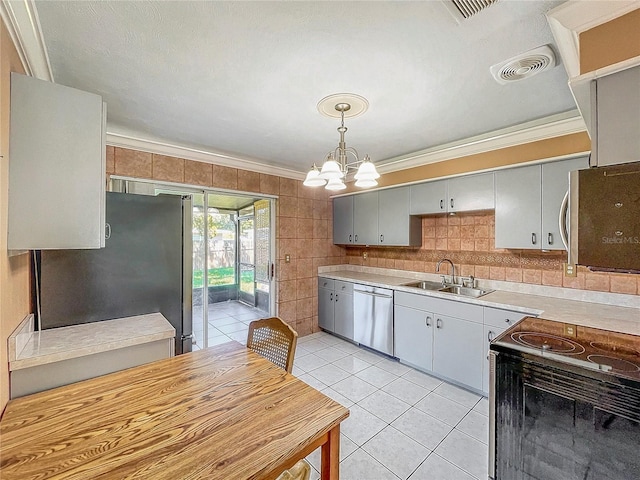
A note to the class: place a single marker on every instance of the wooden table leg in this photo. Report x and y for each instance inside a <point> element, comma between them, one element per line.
<point>330,466</point>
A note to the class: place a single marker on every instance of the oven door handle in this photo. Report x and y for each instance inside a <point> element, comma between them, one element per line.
<point>492,414</point>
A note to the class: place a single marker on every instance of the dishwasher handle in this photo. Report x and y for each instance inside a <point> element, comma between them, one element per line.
<point>373,294</point>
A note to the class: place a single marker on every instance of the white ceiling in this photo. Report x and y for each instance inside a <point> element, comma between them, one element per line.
<point>245,77</point>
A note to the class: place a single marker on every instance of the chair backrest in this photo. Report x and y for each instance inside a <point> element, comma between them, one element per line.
<point>273,339</point>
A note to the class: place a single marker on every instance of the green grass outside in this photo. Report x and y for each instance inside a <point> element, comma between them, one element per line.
<point>220,276</point>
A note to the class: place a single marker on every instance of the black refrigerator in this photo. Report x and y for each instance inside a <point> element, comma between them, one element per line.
<point>145,267</point>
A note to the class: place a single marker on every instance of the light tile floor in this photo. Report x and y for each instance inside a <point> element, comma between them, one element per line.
<point>227,321</point>
<point>403,424</point>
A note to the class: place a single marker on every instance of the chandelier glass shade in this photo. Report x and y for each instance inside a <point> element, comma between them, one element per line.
<point>339,162</point>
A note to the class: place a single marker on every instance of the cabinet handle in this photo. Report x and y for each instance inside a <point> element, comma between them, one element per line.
<point>350,238</point>
<point>427,320</point>
<point>490,336</point>
<point>451,203</point>
<point>441,204</point>
<point>343,287</point>
<point>438,323</point>
<point>381,238</point>
<point>331,297</point>
<point>107,231</point>
<point>356,238</point>
<point>533,238</point>
<point>550,238</point>
<point>324,284</point>
<point>507,321</point>
<point>336,297</point>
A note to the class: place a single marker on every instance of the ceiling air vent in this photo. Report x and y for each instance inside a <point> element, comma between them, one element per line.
<point>466,8</point>
<point>524,65</point>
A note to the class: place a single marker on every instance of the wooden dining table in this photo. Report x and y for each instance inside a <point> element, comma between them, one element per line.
<point>219,413</point>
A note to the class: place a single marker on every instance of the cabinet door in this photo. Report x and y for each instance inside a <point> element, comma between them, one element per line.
<point>555,182</point>
<point>325,309</point>
<point>430,197</point>
<point>365,219</point>
<point>458,350</point>
<point>518,208</point>
<point>343,314</point>
<point>617,112</point>
<point>395,225</point>
<point>57,169</point>
<point>343,220</point>
<point>471,192</point>
<point>489,334</point>
<point>413,336</point>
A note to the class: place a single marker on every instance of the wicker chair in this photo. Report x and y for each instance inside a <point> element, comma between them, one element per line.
<point>300,471</point>
<point>274,340</point>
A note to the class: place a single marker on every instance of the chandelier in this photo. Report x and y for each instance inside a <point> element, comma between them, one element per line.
<point>340,161</point>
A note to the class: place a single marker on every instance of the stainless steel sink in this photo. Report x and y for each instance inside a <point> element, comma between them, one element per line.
<point>464,291</point>
<point>425,285</point>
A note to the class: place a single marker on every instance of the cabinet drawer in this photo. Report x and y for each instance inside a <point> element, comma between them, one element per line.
<point>497,317</point>
<point>450,308</point>
<point>326,283</point>
<point>342,287</point>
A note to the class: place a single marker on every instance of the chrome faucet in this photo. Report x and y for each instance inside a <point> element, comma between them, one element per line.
<point>453,270</point>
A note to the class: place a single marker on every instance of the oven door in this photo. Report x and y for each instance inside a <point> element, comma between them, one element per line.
<point>557,424</point>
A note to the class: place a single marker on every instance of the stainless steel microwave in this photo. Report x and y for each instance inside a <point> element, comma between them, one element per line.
<point>603,225</point>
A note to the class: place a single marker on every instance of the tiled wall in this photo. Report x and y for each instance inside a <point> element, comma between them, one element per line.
<point>468,240</point>
<point>303,218</point>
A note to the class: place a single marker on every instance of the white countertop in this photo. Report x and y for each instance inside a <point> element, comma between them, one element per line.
<point>28,348</point>
<point>625,319</point>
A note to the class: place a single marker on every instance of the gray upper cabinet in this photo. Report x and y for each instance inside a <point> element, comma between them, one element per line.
<point>376,218</point>
<point>343,220</point>
<point>518,207</point>
<point>528,201</point>
<point>395,225</point>
<point>365,219</point>
<point>555,182</point>
<point>428,198</point>
<point>461,194</point>
<point>471,192</point>
<point>616,118</point>
<point>57,167</point>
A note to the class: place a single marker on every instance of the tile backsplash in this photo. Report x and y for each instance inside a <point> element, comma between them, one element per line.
<point>468,240</point>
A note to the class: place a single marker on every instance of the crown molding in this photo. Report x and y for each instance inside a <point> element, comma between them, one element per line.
<point>554,126</point>
<point>570,19</point>
<point>160,147</point>
<point>23,24</point>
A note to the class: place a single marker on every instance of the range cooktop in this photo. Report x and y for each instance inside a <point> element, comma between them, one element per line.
<point>610,352</point>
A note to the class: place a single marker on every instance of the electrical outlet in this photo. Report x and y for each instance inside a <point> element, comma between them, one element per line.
<point>570,270</point>
<point>365,255</point>
<point>570,330</point>
<point>287,258</point>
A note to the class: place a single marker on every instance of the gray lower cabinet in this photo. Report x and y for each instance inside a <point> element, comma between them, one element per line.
<point>457,350</point>
<point>528,201</point>
<point>413,336</point>
<point>326,316</point>
<point>496,321</point>
<point>343,220</point>
<point>335,306</point>
<point>439,335</point>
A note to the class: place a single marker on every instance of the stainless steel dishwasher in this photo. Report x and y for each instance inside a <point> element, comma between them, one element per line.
<point>373,317</point>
